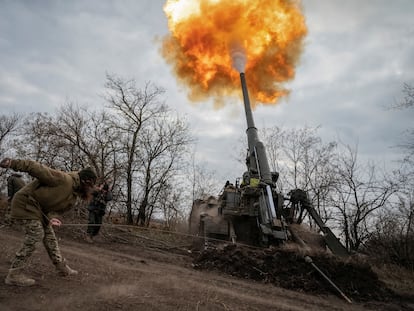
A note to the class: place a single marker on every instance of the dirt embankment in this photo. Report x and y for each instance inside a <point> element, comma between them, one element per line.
<point>130,270</point>
<point>288,268</point>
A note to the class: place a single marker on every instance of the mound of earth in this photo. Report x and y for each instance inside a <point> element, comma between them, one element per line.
<point>287,268</point>
<point>130,268</point>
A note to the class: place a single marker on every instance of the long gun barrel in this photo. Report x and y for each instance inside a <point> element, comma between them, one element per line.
<point>258,167</point>
<point>257,159</point>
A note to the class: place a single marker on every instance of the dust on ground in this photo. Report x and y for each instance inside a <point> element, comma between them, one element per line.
<point>131,269</point>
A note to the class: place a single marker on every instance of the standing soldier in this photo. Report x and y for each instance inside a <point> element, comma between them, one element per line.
<point>14,183</point>
<point>36,207</point>
<point>101,196</point>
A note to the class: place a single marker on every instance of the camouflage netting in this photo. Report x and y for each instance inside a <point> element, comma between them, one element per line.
<point>287,268</point>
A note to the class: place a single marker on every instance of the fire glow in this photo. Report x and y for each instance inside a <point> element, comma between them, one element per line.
<point>263,38</point>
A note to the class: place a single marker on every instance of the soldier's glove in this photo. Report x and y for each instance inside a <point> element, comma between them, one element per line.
<point>5,163</point>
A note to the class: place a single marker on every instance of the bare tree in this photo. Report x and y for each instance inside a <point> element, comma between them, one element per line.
<point>164,142</point>
<point>393,238</point>
<point>408,143</point>
<point>360,192</point>
<point>38,141</point>
<point>8,125</point>
<point>132,109</point>
<point>303,161</point>
<point>408,101</point>
<point>75,132</point>
<point>203,182</point>
<point>168,205</point>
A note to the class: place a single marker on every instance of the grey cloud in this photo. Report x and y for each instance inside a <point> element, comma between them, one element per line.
<point>357,56</point>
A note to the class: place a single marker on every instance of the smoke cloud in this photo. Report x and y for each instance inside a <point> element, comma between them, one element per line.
<point>209,38</point>
<point>238,56</point>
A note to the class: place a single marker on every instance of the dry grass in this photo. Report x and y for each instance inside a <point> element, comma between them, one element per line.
<point>398,279</point>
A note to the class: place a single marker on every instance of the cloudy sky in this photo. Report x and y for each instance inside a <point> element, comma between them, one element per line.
<point>357,56</point>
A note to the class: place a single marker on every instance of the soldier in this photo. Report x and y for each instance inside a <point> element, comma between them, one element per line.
<point>101,196</point>
<point>14,183</point>
<point>36,207</point>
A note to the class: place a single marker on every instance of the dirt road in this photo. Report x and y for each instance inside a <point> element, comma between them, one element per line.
<point>117,275</point>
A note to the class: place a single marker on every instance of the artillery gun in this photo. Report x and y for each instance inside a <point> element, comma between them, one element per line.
<point>252,211</point>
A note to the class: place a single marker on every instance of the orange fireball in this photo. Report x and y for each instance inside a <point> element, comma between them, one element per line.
<point>206,34</point>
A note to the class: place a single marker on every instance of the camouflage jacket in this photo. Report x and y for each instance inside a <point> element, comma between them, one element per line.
<point>50,194</point>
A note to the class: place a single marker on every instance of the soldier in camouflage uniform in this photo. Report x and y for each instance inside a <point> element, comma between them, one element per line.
<point>14,183</point>
<point>37,206</point>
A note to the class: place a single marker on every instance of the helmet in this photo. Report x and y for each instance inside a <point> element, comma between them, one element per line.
<point>87,175</point>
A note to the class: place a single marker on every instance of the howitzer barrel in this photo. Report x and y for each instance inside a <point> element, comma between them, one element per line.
<point>251,131</point>
<point>257,152</point>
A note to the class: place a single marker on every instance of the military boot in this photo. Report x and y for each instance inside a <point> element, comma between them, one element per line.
<point>64,270</point>
<point>16,277</point>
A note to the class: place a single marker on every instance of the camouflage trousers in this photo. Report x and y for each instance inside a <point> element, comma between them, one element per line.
<point>35,232</point>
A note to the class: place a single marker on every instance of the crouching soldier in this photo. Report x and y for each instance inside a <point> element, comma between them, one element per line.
<point>36,207</point>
